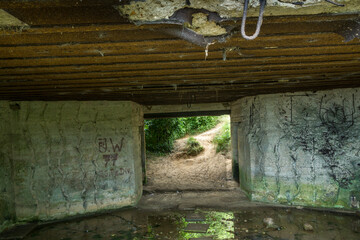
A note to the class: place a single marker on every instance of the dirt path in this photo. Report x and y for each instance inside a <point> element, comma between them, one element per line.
<point>178,171</point>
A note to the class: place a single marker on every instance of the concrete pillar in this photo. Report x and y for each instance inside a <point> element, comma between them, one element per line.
<point>300,148</point>
<point>143,153</point>
<point>234,150</point>
<point>72,157</point>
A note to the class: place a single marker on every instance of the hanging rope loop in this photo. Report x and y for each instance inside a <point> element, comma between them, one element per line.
<point>259,22</point>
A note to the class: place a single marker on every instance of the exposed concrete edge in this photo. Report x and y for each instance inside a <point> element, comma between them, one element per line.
<point>9,22</point>
<point>237,104</point>
<point>186,108</point>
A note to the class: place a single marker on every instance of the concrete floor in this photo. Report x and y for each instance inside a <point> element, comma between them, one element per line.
<point>229,215</point>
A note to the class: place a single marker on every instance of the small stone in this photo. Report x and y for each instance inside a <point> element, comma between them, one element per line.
<point>308,227</point>
<point>245,220</point>
<point>268,222</point>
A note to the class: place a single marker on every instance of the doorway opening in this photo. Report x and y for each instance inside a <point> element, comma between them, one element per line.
<point>197,157</point>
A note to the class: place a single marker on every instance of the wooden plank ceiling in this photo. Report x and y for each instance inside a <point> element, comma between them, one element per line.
<point>89,52</point>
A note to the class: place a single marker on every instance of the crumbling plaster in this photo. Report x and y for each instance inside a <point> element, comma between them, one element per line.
<point>69,158</point>
<point>155,10</point>
<point>300,148</point>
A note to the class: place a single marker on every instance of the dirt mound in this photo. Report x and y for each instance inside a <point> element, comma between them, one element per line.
<point>179,171</point>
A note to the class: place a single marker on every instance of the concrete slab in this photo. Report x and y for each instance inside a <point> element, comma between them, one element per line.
<point>202,238</point>
<point>197,228</point>
<point>186,207</point>
<point>195,217</point>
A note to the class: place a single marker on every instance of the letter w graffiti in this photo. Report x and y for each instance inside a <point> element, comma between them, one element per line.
<point>116,147</point>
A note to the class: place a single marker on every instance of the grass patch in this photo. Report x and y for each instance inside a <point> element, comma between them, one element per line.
<point>223,139</point>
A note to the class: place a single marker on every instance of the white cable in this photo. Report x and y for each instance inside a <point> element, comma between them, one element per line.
<point>259,22</point>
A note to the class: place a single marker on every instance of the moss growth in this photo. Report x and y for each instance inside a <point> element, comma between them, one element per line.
<point>245,182</point>
<point>329,195</point>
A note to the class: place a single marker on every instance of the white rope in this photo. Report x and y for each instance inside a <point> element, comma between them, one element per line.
<point>259,22</point>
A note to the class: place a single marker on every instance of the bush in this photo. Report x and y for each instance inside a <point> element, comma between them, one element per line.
<point>223,139</point>
<point>193,147</point>
<point>194,125</point>
<point>160,134</point>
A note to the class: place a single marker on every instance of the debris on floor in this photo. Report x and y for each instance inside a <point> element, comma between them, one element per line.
<point>308,227</point>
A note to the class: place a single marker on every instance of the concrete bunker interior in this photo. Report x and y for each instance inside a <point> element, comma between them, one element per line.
<point>77,79</point>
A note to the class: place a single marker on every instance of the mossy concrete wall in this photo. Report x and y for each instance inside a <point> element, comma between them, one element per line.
<point>300,148</point>
<point>70,158</point>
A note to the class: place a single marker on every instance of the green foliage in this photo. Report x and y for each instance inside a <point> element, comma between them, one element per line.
<point>193,147</point>
<point>223,139</point>
<point>160,134</point>
<point>194,125</point>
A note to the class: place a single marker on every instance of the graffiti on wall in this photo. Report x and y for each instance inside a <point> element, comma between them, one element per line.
<point>110,149</point>
<point>326,128</point>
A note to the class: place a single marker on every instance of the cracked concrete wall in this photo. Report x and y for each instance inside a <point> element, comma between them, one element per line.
<point>301,148</point>
<point>7,208</point>
<point>74,157</point>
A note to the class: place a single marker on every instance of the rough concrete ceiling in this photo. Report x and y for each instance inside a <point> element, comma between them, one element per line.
<point>86,50</point>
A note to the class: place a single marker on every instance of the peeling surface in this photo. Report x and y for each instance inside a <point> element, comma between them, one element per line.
<point>149,10</point>
<point>203,17</point>
<point>155,10</point>
<point>351,30</point>
<point>202,26</point>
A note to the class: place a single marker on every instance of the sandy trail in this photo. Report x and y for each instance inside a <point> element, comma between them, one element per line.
<point>177,171</point>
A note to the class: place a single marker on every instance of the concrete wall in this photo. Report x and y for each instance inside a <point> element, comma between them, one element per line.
<point>72,157</point>
<point>301,148</point>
